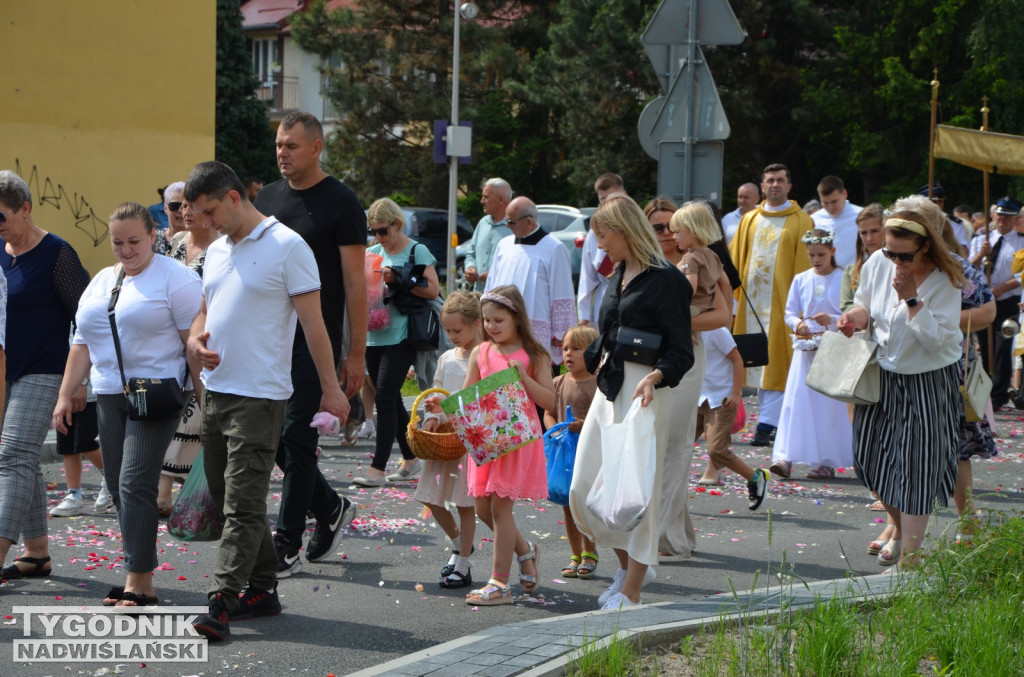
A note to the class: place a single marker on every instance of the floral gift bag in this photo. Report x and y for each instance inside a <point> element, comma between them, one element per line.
<point>492,416</point>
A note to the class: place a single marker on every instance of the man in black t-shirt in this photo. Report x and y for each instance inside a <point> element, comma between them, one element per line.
<point>328,216</point>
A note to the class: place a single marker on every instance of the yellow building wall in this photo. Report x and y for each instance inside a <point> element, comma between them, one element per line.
<point>104,101</point>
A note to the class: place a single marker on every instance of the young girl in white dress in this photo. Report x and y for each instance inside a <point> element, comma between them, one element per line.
<point>813,428</point>
<point>443,483</point>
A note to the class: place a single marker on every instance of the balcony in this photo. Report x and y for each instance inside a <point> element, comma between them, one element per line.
<point>280,92</point>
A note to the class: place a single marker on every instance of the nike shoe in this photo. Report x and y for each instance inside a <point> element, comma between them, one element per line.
<point>288,561</point>
<point>757,488</point>
<point>327,534</point>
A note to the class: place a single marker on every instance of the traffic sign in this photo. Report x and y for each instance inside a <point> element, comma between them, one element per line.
<point>702,101</point>
<point>670,25</point>
<point>705,168</point>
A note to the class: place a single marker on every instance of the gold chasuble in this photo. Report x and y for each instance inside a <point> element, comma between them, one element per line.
<point>768,254</point>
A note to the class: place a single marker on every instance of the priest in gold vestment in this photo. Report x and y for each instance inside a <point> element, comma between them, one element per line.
<point>768,254</point>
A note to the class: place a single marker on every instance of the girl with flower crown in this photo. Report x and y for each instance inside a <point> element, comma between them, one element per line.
<point>813,428</point>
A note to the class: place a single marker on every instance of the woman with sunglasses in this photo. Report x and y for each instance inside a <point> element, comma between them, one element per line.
<point>388,353</point>
<point>45,279</point>
<point>173,196</point>
<point>905,445</point>
<point>188,246</point>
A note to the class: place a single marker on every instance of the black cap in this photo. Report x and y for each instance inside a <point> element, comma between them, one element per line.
<point>1007,206</point>
<point>937,191</point>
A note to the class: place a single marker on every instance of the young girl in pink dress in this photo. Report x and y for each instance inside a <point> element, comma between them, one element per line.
<point>520,474</point>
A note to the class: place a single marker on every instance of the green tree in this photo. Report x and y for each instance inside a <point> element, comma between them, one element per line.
<point>244,139</point>
<point>389,64</point>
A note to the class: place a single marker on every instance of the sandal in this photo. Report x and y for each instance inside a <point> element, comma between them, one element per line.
<point>457,580</point>
<point>11,572</point>
<point>485,595</point>
<point>135,599</point>
<point>587,570</point>
<point>570,571</point>
<point>114,596</point>
<point>529,583</point>
<point>890,553</point>
<point>875,546</point>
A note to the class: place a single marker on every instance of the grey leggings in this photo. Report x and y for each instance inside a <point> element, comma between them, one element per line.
<point>133,453</point>
<point>27,415</point>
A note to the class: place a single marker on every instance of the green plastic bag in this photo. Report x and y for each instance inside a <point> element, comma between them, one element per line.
<point>195,516</point>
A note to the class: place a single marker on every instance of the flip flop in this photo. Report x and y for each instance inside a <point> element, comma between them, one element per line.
<point>11,572</point>
<point>135,599</point>
<point>114,596</point>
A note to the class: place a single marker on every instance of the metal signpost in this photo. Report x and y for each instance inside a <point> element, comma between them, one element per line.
<point>684,129</point>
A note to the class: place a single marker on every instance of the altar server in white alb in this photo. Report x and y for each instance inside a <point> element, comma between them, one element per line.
<point>839,215</point>
<point>813,428</point>
<point>538,265</point>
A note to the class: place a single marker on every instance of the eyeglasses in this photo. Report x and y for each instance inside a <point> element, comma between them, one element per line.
<point>659,228</point>
<point>380,232</point>
<point>512,222</point>
<point>905,257</point>
<point>3,216</point>
<point>173,206</point>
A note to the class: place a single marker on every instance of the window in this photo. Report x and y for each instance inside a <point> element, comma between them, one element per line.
<point>264,60</point>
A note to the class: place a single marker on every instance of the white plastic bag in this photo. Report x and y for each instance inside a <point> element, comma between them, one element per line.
<point>624,485</point>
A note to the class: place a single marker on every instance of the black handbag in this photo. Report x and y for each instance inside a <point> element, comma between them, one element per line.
<point>642,347</point>
<point>424,328</point>
<point>149,399</point>
<point>753,348</point>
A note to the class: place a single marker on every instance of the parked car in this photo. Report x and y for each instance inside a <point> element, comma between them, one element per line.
<point>568,225</point>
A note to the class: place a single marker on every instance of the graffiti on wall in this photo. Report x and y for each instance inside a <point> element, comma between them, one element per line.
<point>49,193</point>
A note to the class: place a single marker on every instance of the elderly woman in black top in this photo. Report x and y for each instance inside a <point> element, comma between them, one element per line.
<point>647,294</point>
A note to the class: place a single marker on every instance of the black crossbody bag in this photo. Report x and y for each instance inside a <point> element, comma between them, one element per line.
<point>753,348</point>
<point>149,399</point>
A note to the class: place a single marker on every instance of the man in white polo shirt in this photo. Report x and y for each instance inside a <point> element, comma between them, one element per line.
<point>258,280</point>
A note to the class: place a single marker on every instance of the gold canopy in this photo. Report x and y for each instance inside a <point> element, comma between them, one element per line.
<point>987,151</point>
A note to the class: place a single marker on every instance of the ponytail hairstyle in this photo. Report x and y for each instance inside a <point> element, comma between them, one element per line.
<point>872,211</point>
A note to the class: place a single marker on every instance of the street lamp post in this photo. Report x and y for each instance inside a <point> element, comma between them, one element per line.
<point>457,142</point>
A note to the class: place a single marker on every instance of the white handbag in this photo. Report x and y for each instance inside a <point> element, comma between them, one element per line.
<point>845,369</point>
<point>977,386</point>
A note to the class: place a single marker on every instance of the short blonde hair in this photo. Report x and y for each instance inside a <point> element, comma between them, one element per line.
<point>580,337</point>
<point>620,214</point>
<point>696,218</point>
<point>464,303</point>
<point>385,210</point>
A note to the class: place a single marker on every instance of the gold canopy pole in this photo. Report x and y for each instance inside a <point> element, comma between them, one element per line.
<point>988,224</point>
<point>931,139</point>
<point>984,174</point>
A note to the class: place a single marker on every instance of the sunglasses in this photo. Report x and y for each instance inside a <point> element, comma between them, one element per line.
<point>905,257</point>
<point>3,216</point>
<point>512,222</point>
<point>380,232</point>
<point>173,206</point>
<point>659,228</point>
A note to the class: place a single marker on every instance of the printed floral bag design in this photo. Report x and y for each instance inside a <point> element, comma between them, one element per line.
<point>492,416</point>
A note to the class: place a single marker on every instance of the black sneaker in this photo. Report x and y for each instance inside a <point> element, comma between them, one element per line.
<point>288,561</point>
<point>764,436</point>
<point>757,488</point>
<point>214,624</point>
<point>327,534</point>
<point>256,603</point>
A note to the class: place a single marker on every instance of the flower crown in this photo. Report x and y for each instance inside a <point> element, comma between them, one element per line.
<point>810,238</point>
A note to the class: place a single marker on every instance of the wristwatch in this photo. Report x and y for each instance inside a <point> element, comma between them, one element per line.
<point>85,381</point>
<point>912,301</point>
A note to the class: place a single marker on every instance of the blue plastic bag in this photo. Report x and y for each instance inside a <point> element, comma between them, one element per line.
<point>560,450</point>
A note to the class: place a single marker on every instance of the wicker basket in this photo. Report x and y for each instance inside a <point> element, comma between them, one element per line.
<point>443,445</point>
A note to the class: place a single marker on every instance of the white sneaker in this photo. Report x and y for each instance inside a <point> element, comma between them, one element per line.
<point>71,505</point>
<point>104,501</point>
<point>615,588</point>
<point>367,429</point>
<point>649,576</point>
<point>619,601</point>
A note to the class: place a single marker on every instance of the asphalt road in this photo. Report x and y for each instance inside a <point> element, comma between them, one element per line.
<point>361,607</point>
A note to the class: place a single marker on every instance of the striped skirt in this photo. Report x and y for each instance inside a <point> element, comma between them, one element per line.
<point>905,446</point>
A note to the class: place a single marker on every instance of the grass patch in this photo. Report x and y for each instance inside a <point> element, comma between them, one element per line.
<point>960,613</point>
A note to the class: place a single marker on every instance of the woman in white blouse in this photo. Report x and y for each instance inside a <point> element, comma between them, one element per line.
<point>905,446</point>
<point>159,297</point>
